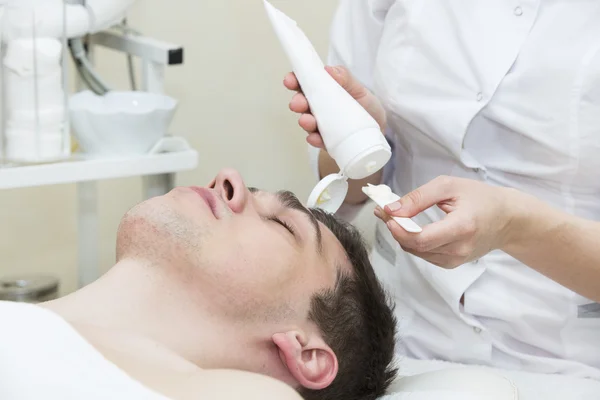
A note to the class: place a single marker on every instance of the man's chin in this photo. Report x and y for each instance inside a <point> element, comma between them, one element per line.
<point>156,228</point>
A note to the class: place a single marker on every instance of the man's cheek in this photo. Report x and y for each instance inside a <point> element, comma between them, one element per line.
<point>264,268</point>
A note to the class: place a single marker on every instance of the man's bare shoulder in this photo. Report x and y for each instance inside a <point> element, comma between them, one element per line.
<point>225,384</point>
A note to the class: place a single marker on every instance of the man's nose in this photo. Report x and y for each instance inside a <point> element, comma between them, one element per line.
<point>230,186</point>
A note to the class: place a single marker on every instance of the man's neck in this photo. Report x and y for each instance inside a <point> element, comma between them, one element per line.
<point>151,303</point>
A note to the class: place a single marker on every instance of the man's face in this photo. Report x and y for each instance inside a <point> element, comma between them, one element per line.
<point>253,254</point>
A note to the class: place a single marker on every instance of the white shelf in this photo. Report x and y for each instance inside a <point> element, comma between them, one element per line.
<point>173,155</point>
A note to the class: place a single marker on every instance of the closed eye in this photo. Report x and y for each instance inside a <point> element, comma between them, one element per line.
<point>282,223</point>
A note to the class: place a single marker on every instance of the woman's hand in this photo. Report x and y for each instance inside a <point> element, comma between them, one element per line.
<point>307,121</point>
<point>477,220</point>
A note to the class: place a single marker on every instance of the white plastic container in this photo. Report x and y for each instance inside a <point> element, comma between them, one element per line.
<point>35,126</point>
<point>351,136</point>
<point>25,147</point>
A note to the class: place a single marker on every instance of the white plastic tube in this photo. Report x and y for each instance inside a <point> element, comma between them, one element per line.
<point>351,136</point>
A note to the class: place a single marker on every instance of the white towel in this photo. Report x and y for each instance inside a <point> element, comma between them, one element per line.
<point>43,357</point>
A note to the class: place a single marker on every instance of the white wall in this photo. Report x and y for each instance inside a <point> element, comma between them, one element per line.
<point>233,107</point>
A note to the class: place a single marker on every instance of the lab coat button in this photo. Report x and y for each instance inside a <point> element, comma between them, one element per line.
<point>477,329</point>
<point>518,11</point>
<point>479,96</point>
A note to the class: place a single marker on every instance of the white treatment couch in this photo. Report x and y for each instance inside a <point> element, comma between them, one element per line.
<point>439,380</point>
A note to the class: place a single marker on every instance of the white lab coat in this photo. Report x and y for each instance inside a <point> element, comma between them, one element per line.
<point>507,93</point>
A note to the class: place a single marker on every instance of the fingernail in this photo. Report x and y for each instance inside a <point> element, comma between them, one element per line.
<point>390,224</point>
<point>394,206</point>
<point>377,213</point>
<point>336,70</point>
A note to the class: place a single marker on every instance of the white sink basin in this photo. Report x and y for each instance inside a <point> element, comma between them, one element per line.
<point>120,123</point>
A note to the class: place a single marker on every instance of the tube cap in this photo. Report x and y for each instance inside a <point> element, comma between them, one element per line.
<point>362,153</point>
<point>330,193</point>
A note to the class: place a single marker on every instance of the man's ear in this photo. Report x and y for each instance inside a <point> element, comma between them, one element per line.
<point>308,358</point>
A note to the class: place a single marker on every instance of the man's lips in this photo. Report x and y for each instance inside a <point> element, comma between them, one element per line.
<point>208,196</point>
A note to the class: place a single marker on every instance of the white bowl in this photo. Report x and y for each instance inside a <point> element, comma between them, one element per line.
<point>120,123</point>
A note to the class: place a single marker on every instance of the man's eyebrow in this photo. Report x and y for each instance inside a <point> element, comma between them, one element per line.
<point>290,201</point>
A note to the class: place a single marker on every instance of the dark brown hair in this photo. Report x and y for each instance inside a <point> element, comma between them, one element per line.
<point>357,321</point>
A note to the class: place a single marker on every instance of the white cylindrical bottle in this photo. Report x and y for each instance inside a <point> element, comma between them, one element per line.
<point>351,135</point>
<point>34,88</point>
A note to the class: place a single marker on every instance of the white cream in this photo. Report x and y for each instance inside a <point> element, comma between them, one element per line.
<point>382,195</point>
<point>352,137</point>
<point>324,197</point>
